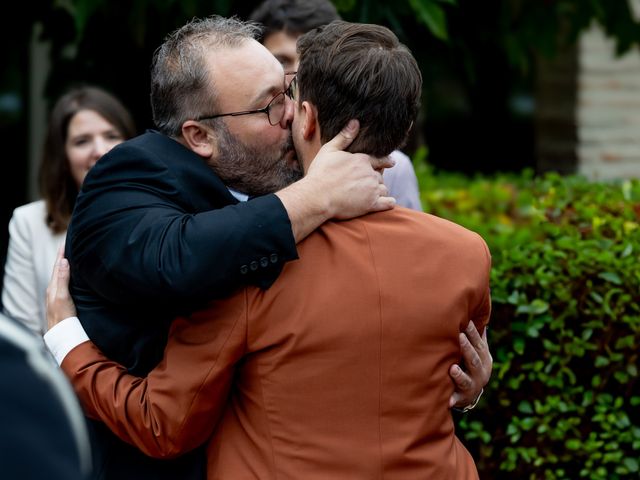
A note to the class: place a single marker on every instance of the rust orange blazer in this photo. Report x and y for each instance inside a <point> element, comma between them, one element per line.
<point>339,370</point>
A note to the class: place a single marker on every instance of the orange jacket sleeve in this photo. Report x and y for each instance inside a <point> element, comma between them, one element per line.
<point>176,407</point>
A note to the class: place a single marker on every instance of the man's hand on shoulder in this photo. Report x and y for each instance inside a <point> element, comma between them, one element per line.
<point>351,182</point>
<point>339,185</point>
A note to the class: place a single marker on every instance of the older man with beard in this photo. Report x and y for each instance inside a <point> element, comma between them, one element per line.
<point>157,230</point>
<point>340,369</point>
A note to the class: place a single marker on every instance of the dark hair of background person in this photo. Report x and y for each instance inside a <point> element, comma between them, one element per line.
<point>57,186</point>
<point>351,70</point>
<point>293,16</point>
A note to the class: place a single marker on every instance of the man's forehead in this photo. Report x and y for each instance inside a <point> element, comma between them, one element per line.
<point>249,63</point>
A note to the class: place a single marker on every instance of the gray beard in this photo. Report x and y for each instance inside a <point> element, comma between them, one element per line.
<point>250,170</point>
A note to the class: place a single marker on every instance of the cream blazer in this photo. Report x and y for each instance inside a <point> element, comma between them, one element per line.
<point>30,257</point>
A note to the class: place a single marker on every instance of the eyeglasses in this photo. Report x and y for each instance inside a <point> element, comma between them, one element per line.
<point>274,109</point>
<point>292,91</point>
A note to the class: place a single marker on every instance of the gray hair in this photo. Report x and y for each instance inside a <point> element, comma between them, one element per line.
<point>181,85</point>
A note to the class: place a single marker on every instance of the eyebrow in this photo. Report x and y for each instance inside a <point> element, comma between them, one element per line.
<point>101,132</point>
<point>266,94</point>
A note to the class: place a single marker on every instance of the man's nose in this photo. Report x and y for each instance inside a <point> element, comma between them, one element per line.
<point>289,108</point>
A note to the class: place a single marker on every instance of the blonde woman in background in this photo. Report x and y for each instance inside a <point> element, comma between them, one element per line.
<point>84,124</point>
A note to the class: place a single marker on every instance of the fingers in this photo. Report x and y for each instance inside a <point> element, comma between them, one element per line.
<point>383,203</point>
<point>345,137</point>
<point>52,288</point>
<point>63,278</point>
<point>380,163</point>
<point>59,302</point>
<point>461,379</point>
<point>476,355</point>
<point>469,353</point>
<point>480,344</point>
<point>474,336</point>
<point>463,393</point>
<point>54,272</point>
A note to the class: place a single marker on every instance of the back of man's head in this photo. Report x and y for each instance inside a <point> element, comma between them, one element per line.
<point>294,17</point>
<point>181,86</point>
<point>351,70</point>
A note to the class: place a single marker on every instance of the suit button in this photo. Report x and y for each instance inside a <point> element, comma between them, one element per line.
<point>264,261</point>
<point>273,258</point>
<point>254,266</point>
<point>244,269</point>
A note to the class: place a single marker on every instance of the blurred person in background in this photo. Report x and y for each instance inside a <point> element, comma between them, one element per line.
<point>284,21</point>
<point>44,434</point>
<point>85,123</point>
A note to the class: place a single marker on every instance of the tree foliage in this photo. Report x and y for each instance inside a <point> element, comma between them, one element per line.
<point>524,27</point>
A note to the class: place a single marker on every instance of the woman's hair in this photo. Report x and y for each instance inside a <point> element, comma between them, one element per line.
<point>57,185</point>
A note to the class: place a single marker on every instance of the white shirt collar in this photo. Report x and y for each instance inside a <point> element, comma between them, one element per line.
<point>241,197</point>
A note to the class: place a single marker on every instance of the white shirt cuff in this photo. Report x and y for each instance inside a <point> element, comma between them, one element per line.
<point>64,337</point>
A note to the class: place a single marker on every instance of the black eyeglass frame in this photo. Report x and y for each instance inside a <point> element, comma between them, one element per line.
<point>288,92</point>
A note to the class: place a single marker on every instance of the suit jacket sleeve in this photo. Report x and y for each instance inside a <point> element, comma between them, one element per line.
<point>176,407</point>
<point>165,228</point>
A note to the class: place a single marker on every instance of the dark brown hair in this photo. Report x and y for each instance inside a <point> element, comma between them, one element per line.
<point>57,186</point>
<point>294,17</point>
<point>352,70</point>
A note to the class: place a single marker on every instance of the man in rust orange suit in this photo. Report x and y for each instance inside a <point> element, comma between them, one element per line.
<point>341,369</point>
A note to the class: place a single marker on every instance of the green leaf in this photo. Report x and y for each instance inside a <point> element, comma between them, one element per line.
<point>525,407</point>
<point>631,464</point>
<point>610,277</point>
<point>573,444</point>
<point>432,15</point>
<point>621,377</point>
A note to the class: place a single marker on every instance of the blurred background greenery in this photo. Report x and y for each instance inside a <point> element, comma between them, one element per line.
<point>564,397</point>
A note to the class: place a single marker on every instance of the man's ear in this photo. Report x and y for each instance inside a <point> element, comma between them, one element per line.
<point>309,124</point>
<point>198,138</point>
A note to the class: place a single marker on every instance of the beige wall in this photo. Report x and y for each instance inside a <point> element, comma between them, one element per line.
<point>608,108</point>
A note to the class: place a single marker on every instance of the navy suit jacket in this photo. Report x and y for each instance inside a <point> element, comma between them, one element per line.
<point>154,234</point>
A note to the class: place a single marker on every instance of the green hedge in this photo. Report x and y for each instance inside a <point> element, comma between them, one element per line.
<point>564,398</point>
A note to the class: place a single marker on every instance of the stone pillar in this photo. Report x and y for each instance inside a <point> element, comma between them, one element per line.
<point>608,109</point>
